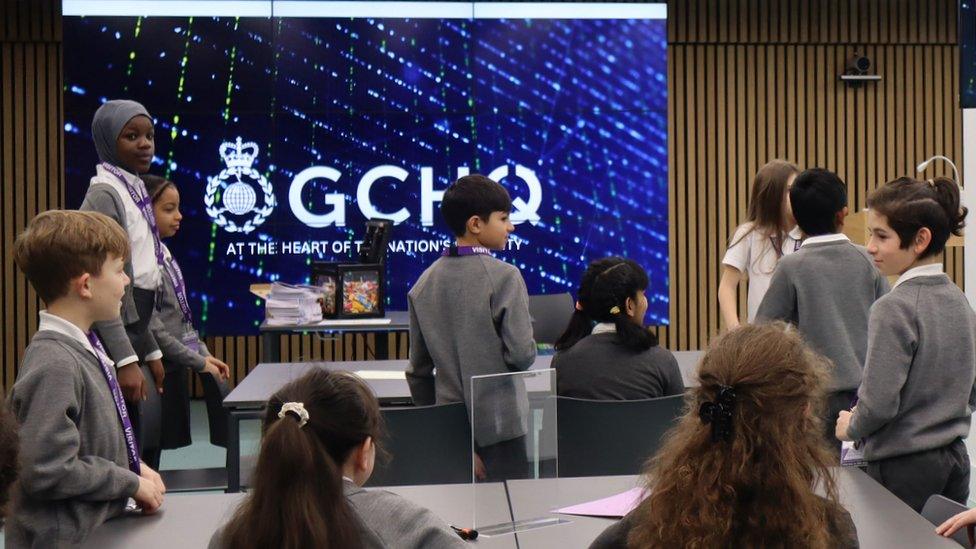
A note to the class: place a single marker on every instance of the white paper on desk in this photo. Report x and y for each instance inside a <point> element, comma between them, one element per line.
<point>380,374</point>
<point>615,506</point>
<point>356,321</point>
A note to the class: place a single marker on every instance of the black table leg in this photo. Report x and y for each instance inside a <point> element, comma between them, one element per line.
<point>271,351</point>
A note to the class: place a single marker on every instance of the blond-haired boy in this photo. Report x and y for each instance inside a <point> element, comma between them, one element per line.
<point>79,459</point>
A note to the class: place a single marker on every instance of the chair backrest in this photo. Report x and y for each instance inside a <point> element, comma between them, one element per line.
<point>939,508</point>
<point>214,392</point>
<point>611,437</point>
<point>428,445</point>
<point>550,316</point>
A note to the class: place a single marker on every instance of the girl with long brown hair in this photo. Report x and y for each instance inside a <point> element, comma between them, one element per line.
<point>740,467</point>
<point>318,447</point>
<point>769,233</point>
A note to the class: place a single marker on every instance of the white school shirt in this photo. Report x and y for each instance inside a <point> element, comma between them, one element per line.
<point>820,239</point>
<point>145,270</point>
<point>54,323</point>
<point>932,269</point>
<point>754,255</point>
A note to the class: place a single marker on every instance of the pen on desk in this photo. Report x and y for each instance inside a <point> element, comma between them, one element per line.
<point>466,534</point>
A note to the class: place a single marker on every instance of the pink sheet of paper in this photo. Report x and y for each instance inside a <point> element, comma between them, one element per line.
<point>615,506</point>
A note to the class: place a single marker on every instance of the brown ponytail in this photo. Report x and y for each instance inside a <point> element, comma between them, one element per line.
<point>947,193</point>
<point>909,205</point>
<point>296,499</point>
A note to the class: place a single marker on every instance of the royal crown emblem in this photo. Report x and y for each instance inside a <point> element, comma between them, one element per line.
<point>229,193</point>
<point>239,155</point>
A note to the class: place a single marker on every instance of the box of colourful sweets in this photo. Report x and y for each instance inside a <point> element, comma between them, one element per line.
<point>352,290</point>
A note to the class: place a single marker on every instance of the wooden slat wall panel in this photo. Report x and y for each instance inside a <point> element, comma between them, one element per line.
<point>749,80</point>
<point>853,22</point>
<point>31,154</point>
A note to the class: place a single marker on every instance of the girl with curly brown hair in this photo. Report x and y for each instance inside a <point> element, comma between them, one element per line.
<point>741,467</point>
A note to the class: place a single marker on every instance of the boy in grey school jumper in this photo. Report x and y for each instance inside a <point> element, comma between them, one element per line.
<point>78,456</point>
<point>826,288</point>
<point>469,316</point>
<point>917,398</point>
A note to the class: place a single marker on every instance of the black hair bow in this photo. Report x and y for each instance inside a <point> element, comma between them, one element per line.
<point>719,414</point>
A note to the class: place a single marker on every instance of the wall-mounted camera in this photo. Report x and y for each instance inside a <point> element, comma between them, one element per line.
<point>856,71</point>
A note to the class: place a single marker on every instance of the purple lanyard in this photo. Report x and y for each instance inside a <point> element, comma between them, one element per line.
<point>113,385</point>
<point>179,287</point>
<point>144,203</point>
<point>457,251</point>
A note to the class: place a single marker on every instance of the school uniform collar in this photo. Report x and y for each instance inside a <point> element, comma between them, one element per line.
<point>932,269</point>
<point>825,238</point>
<point>130,177</point>
<point>53,323</point>
<point>604,328</point>
<point>796,233</point>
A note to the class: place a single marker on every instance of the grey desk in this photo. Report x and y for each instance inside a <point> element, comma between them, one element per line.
<point>247,400</point>
<point>188,521</point>
<point>271,352</point>
<point>537,498</point>
<point>185,521</point>
<point>882,520</point>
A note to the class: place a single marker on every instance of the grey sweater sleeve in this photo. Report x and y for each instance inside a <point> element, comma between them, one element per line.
<point>173,348</point>
<point>53,397</point>
<point>144,341</point>
<point>103,199</point>
<point>116,340</point>
<point>420,371</point>
<point>891,347</point>
<point>400,523</point>
<point>779,303</point>
<point>510,311</point>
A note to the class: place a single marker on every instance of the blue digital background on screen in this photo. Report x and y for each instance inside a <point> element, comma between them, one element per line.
<point>379,116</point>
<point>967,54</point>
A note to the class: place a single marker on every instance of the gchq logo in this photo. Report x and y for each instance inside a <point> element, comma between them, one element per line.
<point>241,199</point>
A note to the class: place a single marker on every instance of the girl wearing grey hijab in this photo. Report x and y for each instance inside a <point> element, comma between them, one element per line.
<point>123,135</point>
<point>110,119</point>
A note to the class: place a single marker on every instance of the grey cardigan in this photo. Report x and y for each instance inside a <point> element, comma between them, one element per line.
<point>827,289</point>
<point>469,316</point>
<point>918,392</point>
<point>74,468</point>
<point>168,326</point>
<point>104,199</point>
<point>599,368</point>
<point>389,521</point>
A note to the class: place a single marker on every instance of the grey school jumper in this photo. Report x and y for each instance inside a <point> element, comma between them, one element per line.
<point>599,368</point>
<point>75,473</point>
<point>469,316</point>
<point>167,325</point>
<point>826,289</point>
<point>388,521</point>
<point>918,391</point>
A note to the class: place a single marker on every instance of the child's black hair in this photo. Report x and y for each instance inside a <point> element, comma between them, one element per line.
<point>155,185</point>
<point>606,286</point>
<point>816,197</point>
<point>473,195</point>
<point>909,205</point>
<point>580,324</point>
